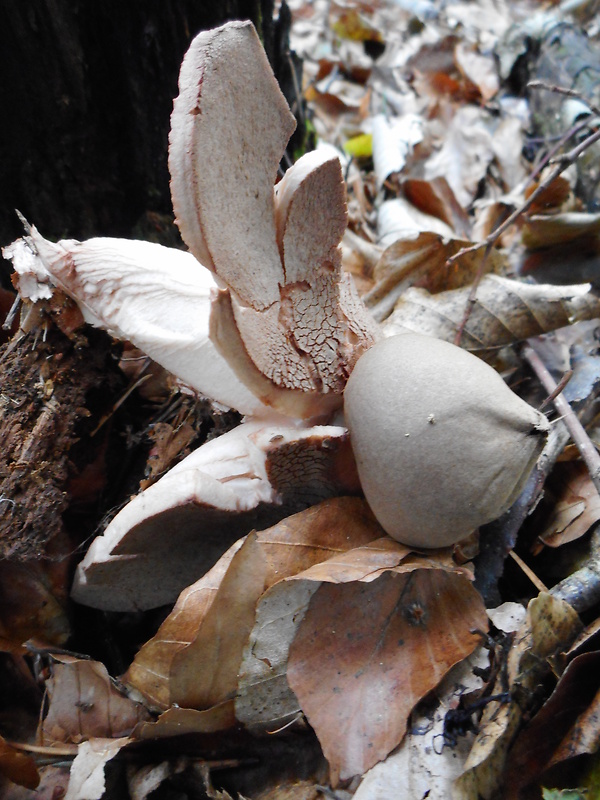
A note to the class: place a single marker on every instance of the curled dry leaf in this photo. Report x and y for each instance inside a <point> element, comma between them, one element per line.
<point>544,230</point>
<point>398,219</point>
<point>577,507</point>
<point>480,69</point>
<point>505,311</point>
<point>421,260</point>
<point>32,603</point>
<point>465,155</point>
<point>437,198</point>
<point>87,779</point>
<point>564,728</point>
<point>195,657</point>
<point>229,635</point>
<point>178,721</point>
<point>247,478</point>
<point>85,704</point>
<point>393,143</point>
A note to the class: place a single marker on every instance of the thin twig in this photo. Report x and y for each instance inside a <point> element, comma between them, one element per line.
<point>581,589</point>
<point>558,389</point>
<point>71,750</point>
<point>135,385</point>
<point>578,433</point>
<point>7,324</point>
<point>554,150</point>
<point>539,585</point>
<point>550,87</point>
<point>472,295</point>
<point>560,165</point>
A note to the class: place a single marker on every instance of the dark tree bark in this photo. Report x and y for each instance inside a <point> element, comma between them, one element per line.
<point>86,90</point>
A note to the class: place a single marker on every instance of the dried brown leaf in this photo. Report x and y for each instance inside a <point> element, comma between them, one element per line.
<point>465,155</point>
<point>437,198</point>
<point>565,727</point>
<point>178,721</point>
<point>30,603</point>
<point>505,311</point>
<point>577,506</point>
<point>17,766</point>
<point>428,761</point>
<point>480,69</point>
<point>84,704</point>
<point>195,656</point>
<point>421,260</point>
<point>545,230</point>
<point>553,196</point>
<point>367,652</point>
<point>87,778</point>
<point>264,699</point>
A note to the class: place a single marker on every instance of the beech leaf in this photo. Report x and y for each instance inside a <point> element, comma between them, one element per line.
<point>577,507</point>
<point>564,728</point>
<point>465,155</point>
<point>545,230</point>
<point>195,656</point>
<point>264,699</point>
<point>18,767</point>
<point>421,261</point>
<point>428,760</point>
<point>505,311</point>
<point>87,779</point>
<point>366,652</point>
<point>84,704</point>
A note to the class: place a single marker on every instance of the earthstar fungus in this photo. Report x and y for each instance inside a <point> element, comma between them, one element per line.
<point>259,317</point>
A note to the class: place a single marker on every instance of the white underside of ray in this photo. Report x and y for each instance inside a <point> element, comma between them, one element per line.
<point>144,557</point>
<point>156,297</point>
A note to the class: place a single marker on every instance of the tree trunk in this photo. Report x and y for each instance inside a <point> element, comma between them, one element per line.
<point>86,91</point>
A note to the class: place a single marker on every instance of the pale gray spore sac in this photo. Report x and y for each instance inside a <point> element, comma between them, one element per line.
<point>441,443</point>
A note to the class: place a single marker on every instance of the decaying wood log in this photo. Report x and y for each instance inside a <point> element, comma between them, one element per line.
<point>46,378</point>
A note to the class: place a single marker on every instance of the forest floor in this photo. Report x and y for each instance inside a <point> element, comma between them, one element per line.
<point>244,626</point>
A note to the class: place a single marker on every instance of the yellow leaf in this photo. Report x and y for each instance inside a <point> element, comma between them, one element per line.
<point>360,146</point>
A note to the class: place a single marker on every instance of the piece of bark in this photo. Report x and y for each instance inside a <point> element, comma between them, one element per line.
<point>45,377</point>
